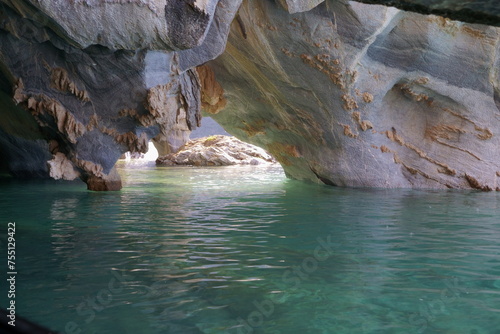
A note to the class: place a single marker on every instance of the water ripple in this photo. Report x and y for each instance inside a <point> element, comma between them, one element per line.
<point>194,250</point>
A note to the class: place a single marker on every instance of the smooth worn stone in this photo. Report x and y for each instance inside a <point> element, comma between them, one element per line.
<point>297,6</point>
<point>128,25</point>
<point>365,96</point>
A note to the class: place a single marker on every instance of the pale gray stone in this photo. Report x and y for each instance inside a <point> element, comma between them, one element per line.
<point>123,24</point>
<point>366,96</point>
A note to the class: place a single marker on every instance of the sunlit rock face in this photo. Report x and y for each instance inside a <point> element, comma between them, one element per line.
<point>216,150</point>
<point>84,81</point>
<point>361,95</point>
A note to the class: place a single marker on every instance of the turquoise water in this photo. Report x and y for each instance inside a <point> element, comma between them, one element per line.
<point>244,250</point>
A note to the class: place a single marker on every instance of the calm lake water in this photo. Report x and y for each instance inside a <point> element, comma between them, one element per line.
<point>244,250</point>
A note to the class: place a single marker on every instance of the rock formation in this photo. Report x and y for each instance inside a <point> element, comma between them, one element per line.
<point>216,151</point>
<point>84,81</point>
<point>365,96</point>
<point>339,92</point>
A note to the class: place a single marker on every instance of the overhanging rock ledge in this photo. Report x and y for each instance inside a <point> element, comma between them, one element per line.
<point>342,93</point>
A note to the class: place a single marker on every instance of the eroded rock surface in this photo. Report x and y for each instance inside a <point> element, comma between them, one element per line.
<point>339,92</point>
<point>123,24</point>
<point>82,83</point>
<point>361,95</point>
<point>217,151</point>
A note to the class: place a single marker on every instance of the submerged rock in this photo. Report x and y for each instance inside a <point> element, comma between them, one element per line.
<point>108,182</point>
<point>217,151</point>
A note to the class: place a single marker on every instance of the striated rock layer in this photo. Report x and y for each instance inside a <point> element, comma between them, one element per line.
<point>339,92</point>
<point>365,96</point>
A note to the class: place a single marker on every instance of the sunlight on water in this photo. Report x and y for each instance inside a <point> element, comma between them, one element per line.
<point>244,250</point>
<point>150,155</point>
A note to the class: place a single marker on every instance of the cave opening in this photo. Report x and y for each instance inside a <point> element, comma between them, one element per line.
<point>216,240</point>
<point>209,145</point>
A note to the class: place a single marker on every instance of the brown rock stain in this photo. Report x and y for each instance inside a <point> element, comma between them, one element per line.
<point>485,135</point>
<point>442,21</point>
<point>158,103</point>
<point>19,95</point>
<point>473,32</point>
<point>127,112</point>
<point>93,122</point>
<point>356,116</point>
<point>282,152</point>
<point>444,131</point>
<point>129,139</point>
<point>66,122</point>
<point>412,170</point>
<point>366,125</point>
<point>407,91</point>
<point>415,171</point>
<point>458,148</point>
<point>89,167</point>
<point>395,137</point>
<point>257,127</point>
<point>348,132</point>
<point>446,171</point>
<point>312,131</point>
<point>385,149</point>
<point>212,93</point>
<point>349,102</point>
<point>104,182</point>
<point>288,53</point>
<point>475,184</point>
<point>329,67</point>
<point>367,97</point>
<point>59,80</point>
<point>422,81</point>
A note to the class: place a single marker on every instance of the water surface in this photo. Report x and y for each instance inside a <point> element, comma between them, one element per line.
<point>244,250</point>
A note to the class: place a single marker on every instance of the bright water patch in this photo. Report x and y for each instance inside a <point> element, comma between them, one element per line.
<point>244,250</point>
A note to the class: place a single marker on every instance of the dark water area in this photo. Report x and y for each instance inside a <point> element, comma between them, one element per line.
<point>245,250</point>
